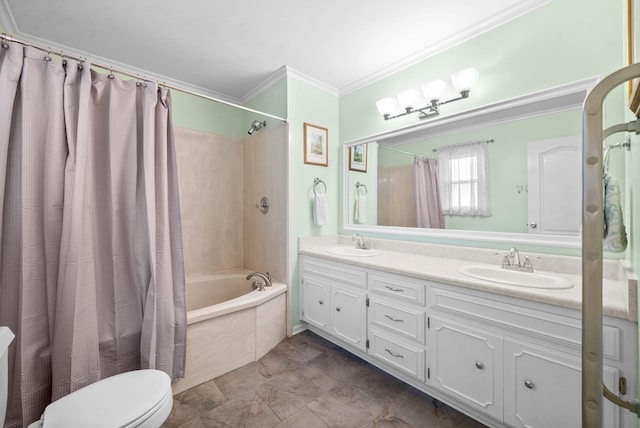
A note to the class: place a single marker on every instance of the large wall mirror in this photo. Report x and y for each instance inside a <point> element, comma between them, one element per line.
<point>533,152</point>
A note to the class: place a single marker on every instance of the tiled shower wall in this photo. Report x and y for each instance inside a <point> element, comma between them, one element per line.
<point>265,174</point>
<point>221,180</point>
<point>210,176</point>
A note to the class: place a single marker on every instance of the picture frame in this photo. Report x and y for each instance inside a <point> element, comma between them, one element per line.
<point>358,158</point>
<point>316,145</point>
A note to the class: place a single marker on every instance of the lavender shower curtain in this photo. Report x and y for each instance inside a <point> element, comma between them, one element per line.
<point>428,206</point>
<point>91,261</point>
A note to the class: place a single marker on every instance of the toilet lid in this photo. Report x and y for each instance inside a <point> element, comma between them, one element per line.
<point>117,401</point>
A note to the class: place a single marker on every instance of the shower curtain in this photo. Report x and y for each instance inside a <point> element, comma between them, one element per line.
<point>91,260</point>
<point>428,207</point>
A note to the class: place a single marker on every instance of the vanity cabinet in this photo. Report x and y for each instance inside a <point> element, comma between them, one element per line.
<point>507,362</point>
<point>397,321</point>
<point>466,362</point>
<point>334,300</point>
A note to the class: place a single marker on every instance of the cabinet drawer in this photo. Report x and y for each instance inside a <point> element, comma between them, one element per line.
<point>400,287</point>
<point>401,320</point>
<point>563,329</point>
<point>342,273</point>
<point>403,357</point>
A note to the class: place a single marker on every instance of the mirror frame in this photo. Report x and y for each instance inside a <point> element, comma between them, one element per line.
<point>555,99</point>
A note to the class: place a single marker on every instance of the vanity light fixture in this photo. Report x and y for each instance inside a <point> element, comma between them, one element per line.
<point>409,101</point>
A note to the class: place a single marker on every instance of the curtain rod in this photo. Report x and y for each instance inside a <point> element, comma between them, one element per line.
<point>403,152</point>
<point>468,143</point>
<point>47,49</point>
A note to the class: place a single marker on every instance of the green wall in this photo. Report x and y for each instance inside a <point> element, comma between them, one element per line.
<point>309,104</point>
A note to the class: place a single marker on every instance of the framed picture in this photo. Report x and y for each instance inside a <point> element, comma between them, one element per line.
<point>358,158</point>
<point>315,145</point>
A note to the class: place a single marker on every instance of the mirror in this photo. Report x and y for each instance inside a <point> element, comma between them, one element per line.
<point>379,196</point>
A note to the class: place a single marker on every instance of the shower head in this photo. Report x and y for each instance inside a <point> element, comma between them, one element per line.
<point>256,125</point>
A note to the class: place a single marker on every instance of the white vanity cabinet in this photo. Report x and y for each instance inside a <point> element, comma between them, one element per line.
<point>528,360</point>
<point>466,363</point>
<point>397,320</point>
<point>334,300</point>
<point>508,362</point>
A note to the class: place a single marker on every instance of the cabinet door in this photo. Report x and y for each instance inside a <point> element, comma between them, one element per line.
<point>315,302</point>
<point>467,364</point>
<point>348,316</point>
<point>543,388</point>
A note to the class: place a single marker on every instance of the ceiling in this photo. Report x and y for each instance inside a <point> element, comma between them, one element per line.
<point>229,48</point>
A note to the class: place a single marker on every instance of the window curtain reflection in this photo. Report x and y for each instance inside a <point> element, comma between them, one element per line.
<point>428,208</point>
<point>464,179</point>
<point>91,260</point>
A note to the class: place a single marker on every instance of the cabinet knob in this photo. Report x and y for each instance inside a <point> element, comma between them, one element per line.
<point>337,309</point>
<point>321,302</point>
<point>533,225</point>
<point>529,384</point>
<point>479,365</point>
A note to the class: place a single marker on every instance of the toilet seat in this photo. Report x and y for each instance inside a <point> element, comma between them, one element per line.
<point>139,398</point>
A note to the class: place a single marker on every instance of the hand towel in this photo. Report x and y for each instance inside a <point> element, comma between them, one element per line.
<point>615,235</point>
<point>320,209</point>
<point>361,209</point>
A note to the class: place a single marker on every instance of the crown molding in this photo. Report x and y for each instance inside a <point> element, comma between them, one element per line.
<point>288,72</point>
<point>490,23</point>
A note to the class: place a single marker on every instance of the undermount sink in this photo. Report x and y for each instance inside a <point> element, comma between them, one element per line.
<point>516,278</point>
<point>351,251</point>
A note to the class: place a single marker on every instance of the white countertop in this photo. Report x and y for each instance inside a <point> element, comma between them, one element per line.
<point>616,301</point>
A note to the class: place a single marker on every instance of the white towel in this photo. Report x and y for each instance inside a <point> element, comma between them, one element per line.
<point>361,209</point>
<point>320,209</point>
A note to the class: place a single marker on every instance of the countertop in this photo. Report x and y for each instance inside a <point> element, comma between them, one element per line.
<point>616,300</point>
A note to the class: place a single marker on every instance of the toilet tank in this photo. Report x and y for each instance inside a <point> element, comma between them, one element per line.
<point>6,336</point>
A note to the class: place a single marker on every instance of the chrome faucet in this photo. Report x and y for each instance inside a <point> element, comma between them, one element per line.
<point>511,261</point>
<point>259,284</point>
<point>361,243</point>
<point>514,257</point>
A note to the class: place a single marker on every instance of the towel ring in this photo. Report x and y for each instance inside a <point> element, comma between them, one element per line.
<point>359,185</point>
<point>316,182</point>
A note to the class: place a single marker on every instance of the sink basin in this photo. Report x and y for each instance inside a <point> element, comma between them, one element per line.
<point>353,252</point>
<point>516,278</point>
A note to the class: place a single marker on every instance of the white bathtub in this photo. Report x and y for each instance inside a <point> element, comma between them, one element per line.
<point>229,324</point>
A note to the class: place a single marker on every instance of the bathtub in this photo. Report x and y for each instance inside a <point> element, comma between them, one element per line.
<point>229,324</point>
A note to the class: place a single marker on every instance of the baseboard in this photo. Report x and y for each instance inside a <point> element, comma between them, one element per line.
<point>298,328</point>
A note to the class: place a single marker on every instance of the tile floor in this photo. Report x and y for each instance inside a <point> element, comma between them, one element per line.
<point>308,382</point>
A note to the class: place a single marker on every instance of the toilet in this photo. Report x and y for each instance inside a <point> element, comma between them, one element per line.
<point>140,398</point>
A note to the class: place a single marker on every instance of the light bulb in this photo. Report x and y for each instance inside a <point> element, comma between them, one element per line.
<point>465,79</point>
<point>434,90</point>
<point>408,99</point>
<point>387,106</point>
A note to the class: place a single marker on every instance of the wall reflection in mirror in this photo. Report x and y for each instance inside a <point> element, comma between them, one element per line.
<point>532,184</point>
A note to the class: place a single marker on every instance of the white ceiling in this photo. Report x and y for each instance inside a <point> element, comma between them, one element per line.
<point>229,47</point>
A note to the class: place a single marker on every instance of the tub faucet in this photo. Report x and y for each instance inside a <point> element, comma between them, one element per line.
<point>259,284</point>
<point>361,243</point>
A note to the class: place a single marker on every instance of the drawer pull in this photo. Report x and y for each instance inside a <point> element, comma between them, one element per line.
<point>321,302</point>
<point>529,384</point>
<point>397,290</point>
<point>393,319</point>
<point>479,365</point>
<point>337,309</point>
<point>394,355</point>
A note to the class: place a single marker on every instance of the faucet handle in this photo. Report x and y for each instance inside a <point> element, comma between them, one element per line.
<point>506,261</point>
<point>527,265</point>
